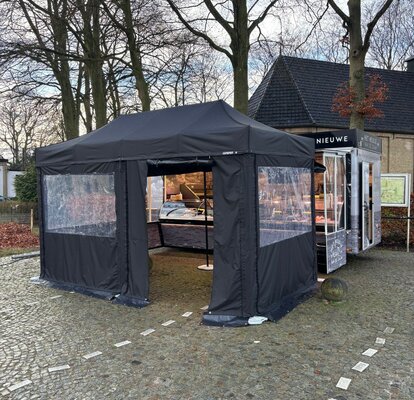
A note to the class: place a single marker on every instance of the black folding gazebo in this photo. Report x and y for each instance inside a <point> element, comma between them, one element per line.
<point>93,226</point>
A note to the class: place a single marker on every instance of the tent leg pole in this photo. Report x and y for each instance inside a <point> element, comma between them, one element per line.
<point>205,215</point>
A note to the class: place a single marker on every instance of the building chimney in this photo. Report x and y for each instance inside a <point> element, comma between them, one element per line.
<point>410,64</point>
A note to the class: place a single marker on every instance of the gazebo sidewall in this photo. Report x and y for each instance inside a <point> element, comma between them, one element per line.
<point>136,285</point>
<point>287,268</point>
<point>89,263</point>
<point>234,277</point>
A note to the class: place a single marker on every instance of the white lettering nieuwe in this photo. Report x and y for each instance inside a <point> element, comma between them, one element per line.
<point>332,139</point>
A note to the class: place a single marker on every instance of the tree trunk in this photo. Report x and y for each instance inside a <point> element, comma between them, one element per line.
<point>136,59</point>
<point>240,48</point>
<point>69,111</point>
<point>87,104</point>
<point>61,69</point>
<point>97,76</point>
<point>356,62</point>
<point>98,92</point>
<point>241,87</point>
<point>93,58</point>
<point>70,116</point>
<point>113,92</point>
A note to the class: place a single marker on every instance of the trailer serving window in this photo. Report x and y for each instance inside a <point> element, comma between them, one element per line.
<point>330,194</point>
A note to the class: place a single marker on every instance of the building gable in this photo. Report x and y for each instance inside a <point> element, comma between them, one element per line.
<point>299,92</point>
<point>277,100</point>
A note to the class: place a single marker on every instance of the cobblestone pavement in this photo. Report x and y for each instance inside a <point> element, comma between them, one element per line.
<point>302,356</point>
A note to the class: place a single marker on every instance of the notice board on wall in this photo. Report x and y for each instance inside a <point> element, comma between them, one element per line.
<point>395,190</point>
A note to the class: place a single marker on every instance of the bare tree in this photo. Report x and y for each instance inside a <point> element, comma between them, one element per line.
<point>393,39</point>
<point>265,51</point>
<point>87,30</point>
<point>358,48</point>
<point>64,37</point>
<point>236,20</point>
<point>53,50</point>
<point>25,125</point>
<point>186,72</point>
<point>131,20</point>
<point>211,80</point>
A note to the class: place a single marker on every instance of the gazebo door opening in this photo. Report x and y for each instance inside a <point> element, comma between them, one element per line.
<point>180,211</point>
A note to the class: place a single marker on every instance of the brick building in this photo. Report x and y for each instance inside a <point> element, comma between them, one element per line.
<point>296,96</point>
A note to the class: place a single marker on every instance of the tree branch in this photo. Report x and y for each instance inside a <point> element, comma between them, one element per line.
<point>371,25</point>
<point>260,19</point>
<point>338,10</point>
<point>318,20</point>
<point>197,32</point>
<point>219,18</point>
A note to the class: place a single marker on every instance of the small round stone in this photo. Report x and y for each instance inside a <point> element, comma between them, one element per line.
<point>334,289</point>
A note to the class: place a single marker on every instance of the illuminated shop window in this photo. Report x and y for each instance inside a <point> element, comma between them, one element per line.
<point>330,199</point>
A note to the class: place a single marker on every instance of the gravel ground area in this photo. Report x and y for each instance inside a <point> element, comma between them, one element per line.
<point>302,356</point>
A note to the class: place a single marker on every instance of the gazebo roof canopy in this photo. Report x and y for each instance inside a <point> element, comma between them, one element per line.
<point>199,130</point>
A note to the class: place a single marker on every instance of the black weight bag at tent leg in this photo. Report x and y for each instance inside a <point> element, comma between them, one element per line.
<point>93,227</point>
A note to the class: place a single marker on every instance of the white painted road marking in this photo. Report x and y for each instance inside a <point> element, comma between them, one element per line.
<point>58,368</point>
<point>147,332</point>
<point>379,341</point>
<point>204,308</point>
<point>19,385</point>
<point>187,314</point>
<point>55,297</point>
<point>360,366</point>
<point>389,330</point>
<point>343,383</point>
<point>171,321</point>
<point>91,355</point>
<point>32,303</point>
<point>370,352</point>
<point>120,344</point>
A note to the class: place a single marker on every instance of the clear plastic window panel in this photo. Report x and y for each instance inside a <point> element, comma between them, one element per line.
<point>154,197</point>
<point>334,193</point>
<point>284,203</point>
<point>80,204</point>
<point>330,198</point>
<point>340,192</point>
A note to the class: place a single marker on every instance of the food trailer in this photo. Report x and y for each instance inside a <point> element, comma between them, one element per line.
<point>347,195</point>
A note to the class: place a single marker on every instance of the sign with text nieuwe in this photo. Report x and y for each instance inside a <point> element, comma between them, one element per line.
<point>346,138</point>
<point>395,190</point>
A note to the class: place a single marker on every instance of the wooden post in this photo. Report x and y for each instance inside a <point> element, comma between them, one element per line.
<point>31,219</point>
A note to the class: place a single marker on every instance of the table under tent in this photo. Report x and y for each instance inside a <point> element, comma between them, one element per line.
<point>93,223</point>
